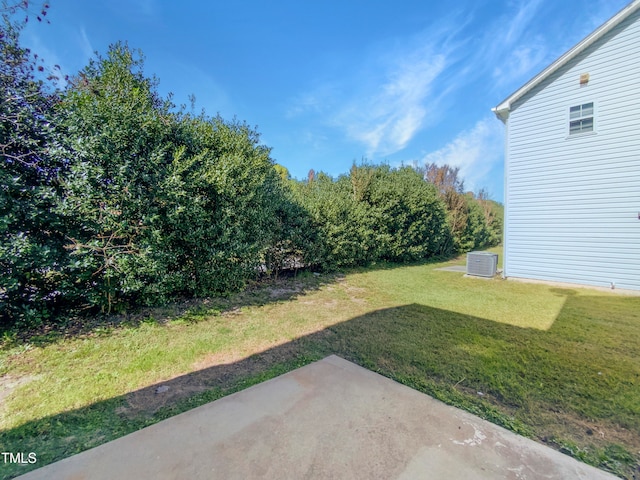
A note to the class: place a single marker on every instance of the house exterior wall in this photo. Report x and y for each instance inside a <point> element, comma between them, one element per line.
<point>573,201</point>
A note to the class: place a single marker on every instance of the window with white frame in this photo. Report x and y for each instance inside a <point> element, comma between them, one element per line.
<point>581,118</point>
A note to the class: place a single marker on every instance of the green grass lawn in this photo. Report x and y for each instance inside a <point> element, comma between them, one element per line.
<point>561,365</point>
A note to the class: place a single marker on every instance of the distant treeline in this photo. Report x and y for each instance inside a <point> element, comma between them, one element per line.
<point>112,199</point>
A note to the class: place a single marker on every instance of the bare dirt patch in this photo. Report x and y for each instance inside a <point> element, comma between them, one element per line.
<point>567,425</point>
<point>555,427</point>
<point>217,371</point>
<point>219,358</point>
<point>220,370</point>
<point>282,292</point>
<point>8,383</point>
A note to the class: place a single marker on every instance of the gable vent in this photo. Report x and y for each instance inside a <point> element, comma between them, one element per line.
<point>482,264</point>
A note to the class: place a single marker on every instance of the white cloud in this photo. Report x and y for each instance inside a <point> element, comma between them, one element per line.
<point>317,101</point>
<point>520,63</point>
<point>519,22</point>
<point>402,88</point>
<point>316,140</point>
<point>47,58</point>
<point>85,45</point>
<point>407,84</point>
<point>57,61</point>
<point>516,53</point>
<point>391,95</point>
<point>476,152</point>
<point>386,116</point>
<point>535,37</point>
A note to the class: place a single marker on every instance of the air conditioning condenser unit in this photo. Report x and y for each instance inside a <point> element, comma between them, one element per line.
<point>482,264</point>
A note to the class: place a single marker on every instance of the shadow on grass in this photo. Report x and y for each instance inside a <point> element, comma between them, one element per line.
<point>288,286</point>
<point>564,386</point>
<point>260,293</point>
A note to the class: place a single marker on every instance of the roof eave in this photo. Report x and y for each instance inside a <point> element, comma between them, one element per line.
<point>502,111</point>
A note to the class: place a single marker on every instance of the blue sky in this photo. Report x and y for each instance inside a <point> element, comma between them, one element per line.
<point>331,82</point>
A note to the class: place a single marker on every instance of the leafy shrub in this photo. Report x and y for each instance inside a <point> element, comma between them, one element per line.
<point>219,198</point>
<point>32,255</point>
<point>117,133</point>
<point>374,214</point>
<point>474,220</point>
<point>111,199</point>
<point>163,204</point>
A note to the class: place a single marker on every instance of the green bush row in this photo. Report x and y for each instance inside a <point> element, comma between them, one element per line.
<point>112,199</point>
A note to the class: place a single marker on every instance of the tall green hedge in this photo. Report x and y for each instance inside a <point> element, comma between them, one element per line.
<point>165,204</point>
<point>112,199</point>
<point>374,213</point>
<point>33,280</point>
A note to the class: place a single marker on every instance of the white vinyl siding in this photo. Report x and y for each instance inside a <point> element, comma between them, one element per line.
<point>572,190</point>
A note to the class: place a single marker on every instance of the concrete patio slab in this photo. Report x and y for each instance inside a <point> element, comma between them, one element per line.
<point>328,420</point>
<point>453,268</point>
